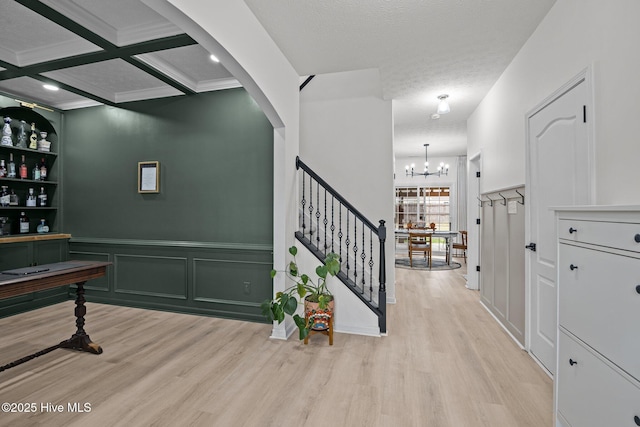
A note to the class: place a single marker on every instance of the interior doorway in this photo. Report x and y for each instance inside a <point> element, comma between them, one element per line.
<point>558,140</point>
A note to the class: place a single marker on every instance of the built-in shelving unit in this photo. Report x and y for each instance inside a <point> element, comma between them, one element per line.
<point>32,158</point>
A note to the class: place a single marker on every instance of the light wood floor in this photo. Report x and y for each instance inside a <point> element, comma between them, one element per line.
<point>444,363</point>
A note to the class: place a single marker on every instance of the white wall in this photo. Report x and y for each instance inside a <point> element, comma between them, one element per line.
<point>346,136</point>
<point>575,34</point>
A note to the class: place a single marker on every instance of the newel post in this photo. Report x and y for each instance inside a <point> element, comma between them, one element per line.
<point>382,291</point>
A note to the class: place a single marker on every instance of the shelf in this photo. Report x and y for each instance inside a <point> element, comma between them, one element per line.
<point>27,181</point>
<point>30,237</point>
<point>29,208</point>
<point>26,151</point>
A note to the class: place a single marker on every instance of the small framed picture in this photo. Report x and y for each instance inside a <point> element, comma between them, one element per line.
<point>148,177</point>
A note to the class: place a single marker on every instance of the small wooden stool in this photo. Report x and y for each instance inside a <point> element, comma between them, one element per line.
<point>328,331</point>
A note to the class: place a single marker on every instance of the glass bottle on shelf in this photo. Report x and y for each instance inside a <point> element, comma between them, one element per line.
<point>42,198</point>
<point>35,172</point>
<point>43,170</point>
<point>11,170</point>
<point>14,200</point>
<point>3,169</point>
<point>43,144</point>
<point>24,223</point>
<point>4,197</point>
<point>31,199</point>
<point>23,169</point>
<point>42,227</point>
<point>22,135</point>
<point>33,139</point>
<point>6,133</point>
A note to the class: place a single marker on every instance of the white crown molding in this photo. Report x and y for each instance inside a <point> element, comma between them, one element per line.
<point>169,70</point>
<point>219,84</point>
<point>8,55</point>
<point>74,105</point>
<point>179,76</point>
<point>138,34</point>
<point>55,51</point>
<point>140,95</point>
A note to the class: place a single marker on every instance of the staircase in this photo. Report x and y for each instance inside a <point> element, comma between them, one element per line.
<point>329,223</point>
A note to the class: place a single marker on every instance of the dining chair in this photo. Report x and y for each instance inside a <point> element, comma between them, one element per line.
<point>462,246</point>
<point>420,243</point>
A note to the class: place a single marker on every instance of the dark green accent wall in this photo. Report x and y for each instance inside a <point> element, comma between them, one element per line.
<point>204,243</point>
<point>216,170</point>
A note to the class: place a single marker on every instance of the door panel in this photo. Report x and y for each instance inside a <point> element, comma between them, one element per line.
<point>558,176</point>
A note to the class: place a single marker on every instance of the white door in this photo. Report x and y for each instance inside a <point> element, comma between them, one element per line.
<point>559,175</point>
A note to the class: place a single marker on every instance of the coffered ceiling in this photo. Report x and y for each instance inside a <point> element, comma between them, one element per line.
<point>99,52</point>
<point>117,51</point>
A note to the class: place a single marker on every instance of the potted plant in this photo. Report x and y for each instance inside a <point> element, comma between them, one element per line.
<point>317,298</point>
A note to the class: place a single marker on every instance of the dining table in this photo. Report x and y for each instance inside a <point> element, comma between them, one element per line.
<point>448,235</point>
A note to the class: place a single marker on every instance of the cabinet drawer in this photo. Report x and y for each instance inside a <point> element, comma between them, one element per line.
<point>619,235</point>
<point>590,393</point>
<point>598,302</point>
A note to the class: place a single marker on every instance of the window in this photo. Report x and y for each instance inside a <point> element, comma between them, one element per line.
<point>421,206</point>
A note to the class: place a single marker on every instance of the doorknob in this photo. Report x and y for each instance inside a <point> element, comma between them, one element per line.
<point>573,267</point>
<point>637,420</point>
<point>531,246</point>
<point>572,230</point>
<point>572,362</point>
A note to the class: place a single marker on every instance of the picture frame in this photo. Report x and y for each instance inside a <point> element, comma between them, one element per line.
<point>149,177</point>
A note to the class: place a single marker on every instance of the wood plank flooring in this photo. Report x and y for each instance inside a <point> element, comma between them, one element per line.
<point>445,363</point>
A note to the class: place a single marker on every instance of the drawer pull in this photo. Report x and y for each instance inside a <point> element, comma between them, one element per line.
<point>637,239</point>
<point>572,362</point>
<point>572,230</point>
<point>573,267</point>
<point>637,420</point>
<point>638,291</point>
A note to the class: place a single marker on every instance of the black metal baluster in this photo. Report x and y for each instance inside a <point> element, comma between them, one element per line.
<point>304,201</point>
<point>355,250</point>
<point>370,265</point>
<point>325,221</point>
<point>362,258</point>
<point>317,215</point>
<point>347,242</point>
<point>333,226</point>
<point>310,209</point>
<point>340,232</point>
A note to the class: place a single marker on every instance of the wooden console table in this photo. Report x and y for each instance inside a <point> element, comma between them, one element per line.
<point>30,279</point>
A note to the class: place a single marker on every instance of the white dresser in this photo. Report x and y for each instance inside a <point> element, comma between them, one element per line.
<point>597,382</point>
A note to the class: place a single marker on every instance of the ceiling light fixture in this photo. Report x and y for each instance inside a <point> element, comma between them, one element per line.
<point>214,58</point>
<point>442,168</point>
<point>443,107</point>
<point>50,87</point>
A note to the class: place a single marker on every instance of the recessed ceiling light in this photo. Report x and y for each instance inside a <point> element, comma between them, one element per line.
<point>435,116</point>
<point>214,58</point>
<point>50,87</point>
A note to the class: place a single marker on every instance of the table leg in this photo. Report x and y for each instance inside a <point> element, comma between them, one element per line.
<point>80,340</point>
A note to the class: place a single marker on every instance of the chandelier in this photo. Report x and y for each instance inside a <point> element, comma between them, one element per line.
<point>442,168</point>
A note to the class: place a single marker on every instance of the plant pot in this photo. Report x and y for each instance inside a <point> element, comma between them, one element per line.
<point>318,319</point>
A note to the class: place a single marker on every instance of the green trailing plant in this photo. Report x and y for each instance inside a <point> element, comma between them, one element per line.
<point>286,302</point>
